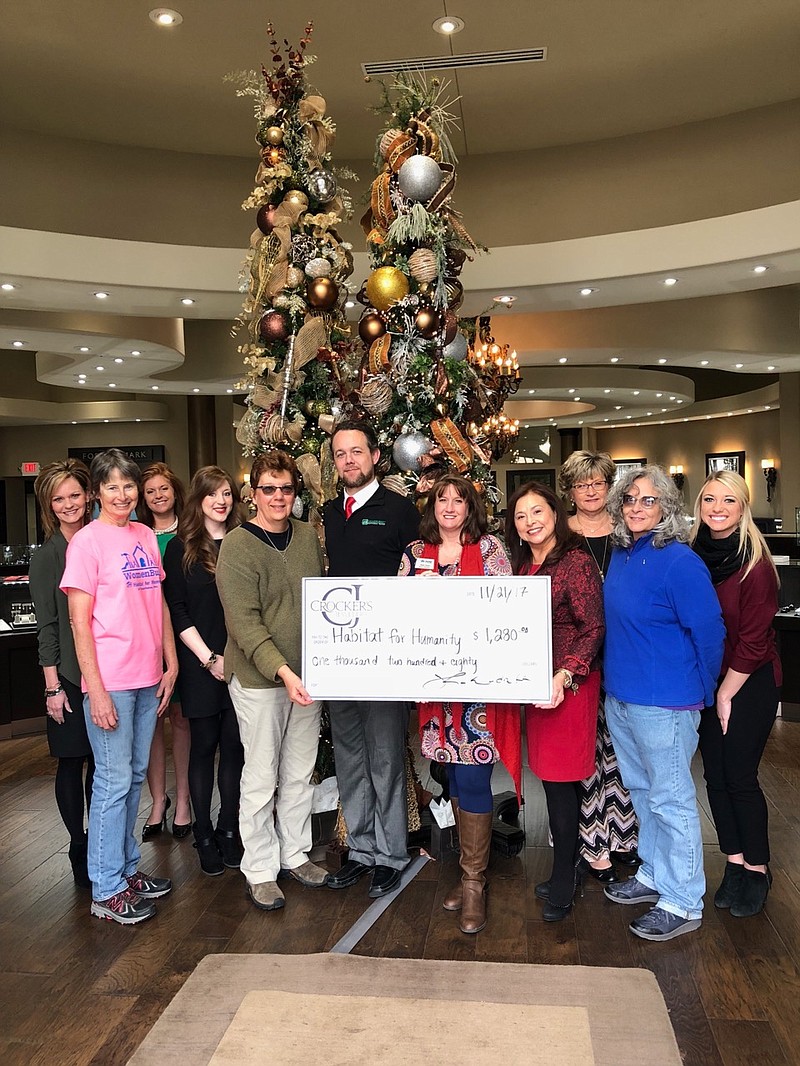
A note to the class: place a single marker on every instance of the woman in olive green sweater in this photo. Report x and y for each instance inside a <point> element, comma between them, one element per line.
<point>259,573</point>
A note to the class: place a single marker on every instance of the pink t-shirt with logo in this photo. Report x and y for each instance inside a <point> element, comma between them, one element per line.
<point>120,566</point>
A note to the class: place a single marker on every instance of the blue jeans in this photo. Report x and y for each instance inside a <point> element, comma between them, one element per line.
<point>654,747</point>
<point>120,756</point>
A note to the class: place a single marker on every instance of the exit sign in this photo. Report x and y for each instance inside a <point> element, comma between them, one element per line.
<point>29,468</point>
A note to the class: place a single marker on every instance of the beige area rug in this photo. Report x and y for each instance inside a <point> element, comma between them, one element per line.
<point>347,1009</point>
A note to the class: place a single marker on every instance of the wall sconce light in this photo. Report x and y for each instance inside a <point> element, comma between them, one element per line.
<point>677,475</point>
<point>771,474</point>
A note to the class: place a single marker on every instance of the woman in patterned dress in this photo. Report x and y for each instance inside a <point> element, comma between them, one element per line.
<point>562,733</point>
<point>469,737</point>
<point>607,820</point>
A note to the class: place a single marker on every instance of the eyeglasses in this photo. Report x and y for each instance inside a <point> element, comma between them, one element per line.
<point>595,486</point>
<point>645,501</point>
<point>270,490</point>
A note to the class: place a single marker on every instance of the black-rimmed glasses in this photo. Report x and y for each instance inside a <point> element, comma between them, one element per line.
<point>270,490</point>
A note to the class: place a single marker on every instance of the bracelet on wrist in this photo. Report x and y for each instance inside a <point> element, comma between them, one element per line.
<point>211,661</point>
<point>48,692</point>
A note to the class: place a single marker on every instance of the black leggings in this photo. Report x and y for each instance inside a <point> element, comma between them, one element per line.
<point>563,808</point>
<point>730,765</point>
<point>218,730</point>
<point>71,788</point>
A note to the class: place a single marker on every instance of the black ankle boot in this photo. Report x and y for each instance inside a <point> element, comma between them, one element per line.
<point>752,894</point>
<point>730,886</point>
<point>230,844</point>
<point>78,850</point>
<point>210,859</point>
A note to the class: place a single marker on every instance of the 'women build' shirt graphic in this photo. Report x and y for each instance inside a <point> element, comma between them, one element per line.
<point>140,570</point>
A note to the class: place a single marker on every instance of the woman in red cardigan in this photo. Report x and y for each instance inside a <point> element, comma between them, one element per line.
<point>469,737</point>
<point>561,733</point>
<point>734,732</point>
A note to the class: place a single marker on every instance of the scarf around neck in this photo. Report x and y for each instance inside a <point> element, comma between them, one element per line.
<point>722,557</point>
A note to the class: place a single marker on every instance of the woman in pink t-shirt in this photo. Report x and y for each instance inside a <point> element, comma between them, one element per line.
<point>123,637</point>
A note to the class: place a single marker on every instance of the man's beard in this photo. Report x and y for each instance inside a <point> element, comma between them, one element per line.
<point>357,481</point>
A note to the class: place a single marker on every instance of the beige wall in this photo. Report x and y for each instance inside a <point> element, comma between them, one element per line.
<point>699,170</point>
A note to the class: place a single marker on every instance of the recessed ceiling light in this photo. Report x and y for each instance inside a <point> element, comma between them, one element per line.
<point>81,381</point>
<point>680,401</point>
<point>82,376</point>
<point>580,423</point>
<point>187,301</point>
<point>586,291</point>
<point>105,419</point>
<point>617,406</point>
<point>649,413</point>
<point>154,388</point>
<point>349,303</point>
<point>659,395</point>
<point>136,352</point>
<point>112,384</point>
<point>629,416</point>
<point>505,299</point>
<point>606,390</point>
<point>101,295</point>
<point>7,286</point>
<point>74,422</point>
<point>662,361</point>
<point>83,348</point>
<point>770,368</point>
<point>563,359</point>
<point>577,398</point>
<point>672,397</point>
<point>570,391</point>
<point>531,392</point>
<point>738,366</point>
<point>448,25</point>
<point>756,270</point>
<point>138,420</point>
<point>704,362</point>
<point>670,281</point>
<point>636,392</point>
<point>118,360</point>
<point>229,390</point>
<point>18,344</point>
<point>165,17</point>
<point>99,368</point>
<point>614,358</point>
<point>663,410</point>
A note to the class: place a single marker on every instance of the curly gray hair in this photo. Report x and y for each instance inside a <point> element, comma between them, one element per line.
<point>674,524</point>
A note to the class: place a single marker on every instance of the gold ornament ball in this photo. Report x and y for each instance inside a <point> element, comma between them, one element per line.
<point>385,286</point>
<point>274,135</point>
<point>322,294</point>
<point>370,327</point>
<point>427,323</point>
<point>296,198</point>
<point>308,407</point>
<point>311,444</point>
<point>294,278</point>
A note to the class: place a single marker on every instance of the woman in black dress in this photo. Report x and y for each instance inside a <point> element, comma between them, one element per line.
<point>211,511</point>
<point>63,493</point>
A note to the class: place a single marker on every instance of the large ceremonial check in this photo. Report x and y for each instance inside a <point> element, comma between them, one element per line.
<point>471,639</point>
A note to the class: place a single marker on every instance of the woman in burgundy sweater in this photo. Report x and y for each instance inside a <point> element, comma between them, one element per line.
<point>562,733</point>
<point>734,732</point>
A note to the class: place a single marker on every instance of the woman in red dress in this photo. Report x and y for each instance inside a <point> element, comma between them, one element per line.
<point>561,733</point>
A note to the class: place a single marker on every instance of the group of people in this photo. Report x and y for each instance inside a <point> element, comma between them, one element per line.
<point>656,643</point>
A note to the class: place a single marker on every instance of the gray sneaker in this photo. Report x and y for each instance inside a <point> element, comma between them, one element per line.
<point>659,924</point>
<point>631,891</point>
<point>125,907</point>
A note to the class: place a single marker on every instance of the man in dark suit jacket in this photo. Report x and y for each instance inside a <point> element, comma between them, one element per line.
<point>367,527</point>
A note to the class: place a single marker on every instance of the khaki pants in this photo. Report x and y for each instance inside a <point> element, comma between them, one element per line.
<point>280,742</point>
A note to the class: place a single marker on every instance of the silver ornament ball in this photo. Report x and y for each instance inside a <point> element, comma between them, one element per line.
<point>318,268</point>
<point>322,185</point>
<point>457,348</point>
<point>409,448</point>
<point>419,178</point>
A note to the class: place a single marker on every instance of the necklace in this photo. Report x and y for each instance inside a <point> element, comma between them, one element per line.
<point>271,543</point>
<point>167,529</point>
<point>600,565</point>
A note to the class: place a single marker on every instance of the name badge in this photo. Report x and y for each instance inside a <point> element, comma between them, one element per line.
<point>424,564</point>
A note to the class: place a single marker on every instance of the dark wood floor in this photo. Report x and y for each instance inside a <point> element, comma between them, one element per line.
<point>77,990</point>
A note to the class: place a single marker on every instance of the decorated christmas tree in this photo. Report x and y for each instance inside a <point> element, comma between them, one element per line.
<point>433,386</point>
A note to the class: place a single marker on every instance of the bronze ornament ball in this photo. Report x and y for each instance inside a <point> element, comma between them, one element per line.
<point>296,198</point>
<point>427,323</point>
<point>273,327</point>
<point>455,293</point>
<point>274,135</point>
<point>385,286</point>
<point>370,327</point>
<point>419,178</point>
<point>265,219</point>
<point>322,294</point>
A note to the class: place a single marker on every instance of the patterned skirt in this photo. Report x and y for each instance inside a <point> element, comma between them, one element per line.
<point>607,819</point>
<point>472,745</point>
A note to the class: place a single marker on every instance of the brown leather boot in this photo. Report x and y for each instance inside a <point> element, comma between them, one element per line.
<point>452,902</point>
<point>475,838</point>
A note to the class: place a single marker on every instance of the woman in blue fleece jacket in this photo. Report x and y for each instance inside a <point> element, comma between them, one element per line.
<point>664,642</point>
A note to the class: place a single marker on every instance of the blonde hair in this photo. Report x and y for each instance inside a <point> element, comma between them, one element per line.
<point>50,479</point>
<point>583,466</point>
<point>752,545</point>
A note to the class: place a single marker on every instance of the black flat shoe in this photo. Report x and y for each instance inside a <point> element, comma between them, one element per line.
<point>607,876</point>
<point>152,829</point>
<point>627,858</point>
<point>753,893</point>
<point>348,875</point>
<point>553,913</point>
<point>385,879</point>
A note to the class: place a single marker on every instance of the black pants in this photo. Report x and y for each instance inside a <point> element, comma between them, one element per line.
<point>730,765</point>
<point>563,808</point>
<point>208,734</point>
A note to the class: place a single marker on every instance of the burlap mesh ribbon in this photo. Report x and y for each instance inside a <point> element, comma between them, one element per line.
<point>310,111</point>
<point>452,442</point>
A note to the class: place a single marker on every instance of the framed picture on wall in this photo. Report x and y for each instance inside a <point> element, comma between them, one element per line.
<point>515,479</point>
<point>716,461</point>
<point>624,465</point>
